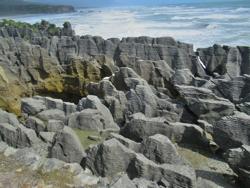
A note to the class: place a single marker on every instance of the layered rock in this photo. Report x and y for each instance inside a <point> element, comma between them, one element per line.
<point>139,104</point>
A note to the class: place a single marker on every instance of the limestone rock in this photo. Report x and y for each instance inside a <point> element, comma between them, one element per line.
<point>232,131</point>
<point>54,114</point>
<point>160,149</point>
<point>204,104</point>
<point>67,147</point>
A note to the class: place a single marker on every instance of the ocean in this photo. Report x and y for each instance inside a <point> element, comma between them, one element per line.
<point>201,24</point>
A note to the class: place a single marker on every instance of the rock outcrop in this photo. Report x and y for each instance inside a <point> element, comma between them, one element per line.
<point>135,112</point>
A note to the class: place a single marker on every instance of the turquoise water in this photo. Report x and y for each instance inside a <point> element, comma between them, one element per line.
<point>202,24</point>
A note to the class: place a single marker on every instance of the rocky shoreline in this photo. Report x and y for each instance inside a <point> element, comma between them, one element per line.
<point>132,113</point>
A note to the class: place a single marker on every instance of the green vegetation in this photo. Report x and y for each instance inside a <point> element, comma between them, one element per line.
<point>18,25</point>
<point>43,27</point>
<point>10,7</point>
<point>196,157</point>
<point>86,142</point>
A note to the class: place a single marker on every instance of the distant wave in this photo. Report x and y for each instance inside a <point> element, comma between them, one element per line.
<point>210,16</point>
<point>202,26</point>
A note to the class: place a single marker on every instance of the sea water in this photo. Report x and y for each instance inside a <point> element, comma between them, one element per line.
<point>201,24</point>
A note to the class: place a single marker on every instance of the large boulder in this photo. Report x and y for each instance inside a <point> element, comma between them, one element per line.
<point>239,160</point>
<point>55,114</point>
<point>142,100</point>
<point>18,136</point>
<point>36,124</point>
<point>9,118</point>
<point>98,109</point>
<point>177,55</point>
<point>171,175</point>
<point>109,158</point>
<point>112,157</point>
<point>222,59</point>
<point>90,119</point>
<point>232,131</point>
<point>67,147</point>
<point>234,90</point>
<point>140,127</point>
<point>32,106</point>
<point>115,100</point>
<point>122,181</point>
<point>156,73</point>
<point>160,149</point>
<point>135,146</point>
<point>204,104</point>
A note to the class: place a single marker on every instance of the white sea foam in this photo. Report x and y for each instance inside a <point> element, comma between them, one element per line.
<point>200,26</point>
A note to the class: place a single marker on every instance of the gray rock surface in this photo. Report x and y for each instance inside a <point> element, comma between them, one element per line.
<point>54,114</point>
<point>98,114</point>
<point>239,160</point>
<point>105,163</point>
<point>160,149</point>
<point>232,131</point>
<point>32,106</point>
<point>204,104</point>
<point>67,147</point>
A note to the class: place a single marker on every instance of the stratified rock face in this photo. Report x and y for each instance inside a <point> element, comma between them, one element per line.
<point>139,104</point>
<point>232,131</point>
<point>103,160</point>
<point>204,104</point>
<point>239,159</point>
<point>67,147</point>
<point>233,61</point>
<point>160,149</point>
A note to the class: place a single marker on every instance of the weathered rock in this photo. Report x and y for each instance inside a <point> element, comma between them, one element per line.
<point>55,126</point>
<point>67,147</point>
<point>206,126</point>
<point>126,142</point>
<point>102,159</point>
<point>142,100</point>
<point>234,90</point>
<point>244,107</point>
<point>32,106</point>
<point>122,181</point>
<point>204,104</point>
<point>115,100</point>
<point>91,119</point>
<point>176,54</point>
<point>35,124</point>
<point>239,160</point>
<point>182,77</point>
<point>160,149</point>
<point>140,127</point>
<point>174,175</point>
<point>154,72</point>
<point>3,146</point>
<point>18,137</point>
<point>205,183</point>
<point>9,118</point>
<point>105,118</point>
<point>189,134</point>
<point>143,183</point>
<point>222,59</point>
<point>54,114</point>
<point>47,137</point>
<point>232,131</point>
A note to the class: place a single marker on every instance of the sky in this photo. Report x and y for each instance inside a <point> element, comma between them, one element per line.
<point>100,3</point>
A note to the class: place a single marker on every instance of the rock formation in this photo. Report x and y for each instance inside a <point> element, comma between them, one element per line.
<point>135,112</point>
